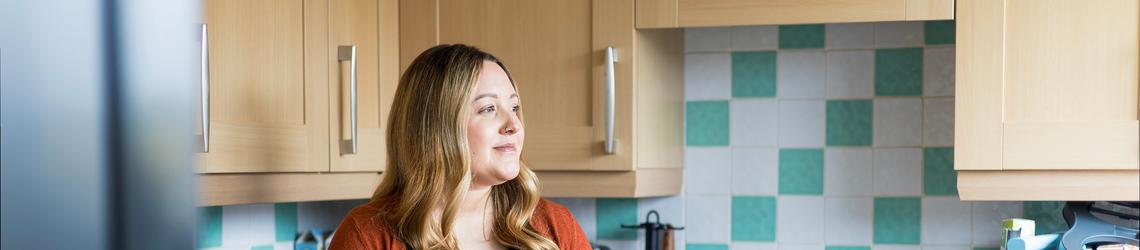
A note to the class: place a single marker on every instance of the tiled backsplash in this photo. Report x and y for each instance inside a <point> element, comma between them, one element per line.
<point>799,137</point>
<point>836,137</point>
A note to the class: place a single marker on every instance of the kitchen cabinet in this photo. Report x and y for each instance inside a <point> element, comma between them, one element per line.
<point>280,119</point>
<point>556,52</point>
<point>268,97</point>
<point>704,13</point>
<point>1046,100</point>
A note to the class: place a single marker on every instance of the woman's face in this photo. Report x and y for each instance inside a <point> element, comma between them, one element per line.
<point>494,130</point>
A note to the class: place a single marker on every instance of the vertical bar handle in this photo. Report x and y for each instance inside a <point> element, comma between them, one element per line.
<point>611,58</point>
<point>205,90</point>
<point>348,53</point>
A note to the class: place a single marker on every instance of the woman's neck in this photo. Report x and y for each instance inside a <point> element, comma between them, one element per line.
<point>476,201</point>
<point>474,220</point>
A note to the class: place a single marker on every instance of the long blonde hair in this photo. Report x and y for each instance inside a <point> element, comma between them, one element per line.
<point>429,160</point>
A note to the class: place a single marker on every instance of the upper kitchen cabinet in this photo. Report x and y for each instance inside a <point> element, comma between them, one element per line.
<point>599,122</point>
<point>705,13</point>
<point>1046,100</point>
<point>298,96</point>
<point>266,86</point>
<point>371,26</point>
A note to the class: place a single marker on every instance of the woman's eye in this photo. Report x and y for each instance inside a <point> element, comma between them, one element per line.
<point>487,109</point>
<point>516,108</point>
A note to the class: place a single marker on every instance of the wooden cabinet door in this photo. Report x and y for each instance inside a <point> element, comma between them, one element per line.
<point>1047,85</point>
<point>554,50</point>
<point>268,99</point>
<point>370,25</point>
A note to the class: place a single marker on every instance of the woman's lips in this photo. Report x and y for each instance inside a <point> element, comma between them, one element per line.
<point>507,148</point>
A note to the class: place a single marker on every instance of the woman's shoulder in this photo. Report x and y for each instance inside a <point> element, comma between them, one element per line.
<point>551,210</point>
<point>363,228</point>
<point>555,221</point>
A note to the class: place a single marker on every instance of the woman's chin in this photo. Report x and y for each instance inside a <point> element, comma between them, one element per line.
<point>505,173</point>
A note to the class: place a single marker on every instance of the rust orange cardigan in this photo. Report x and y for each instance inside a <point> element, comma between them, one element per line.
<point>361,229</point>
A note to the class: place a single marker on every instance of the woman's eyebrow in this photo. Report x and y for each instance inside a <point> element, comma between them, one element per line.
<point>486,95</point>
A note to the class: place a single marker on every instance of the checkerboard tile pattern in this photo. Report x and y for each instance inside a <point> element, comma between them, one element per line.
<point>838,137</point>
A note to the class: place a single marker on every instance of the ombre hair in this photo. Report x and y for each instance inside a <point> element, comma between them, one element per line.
<point>429,162</point>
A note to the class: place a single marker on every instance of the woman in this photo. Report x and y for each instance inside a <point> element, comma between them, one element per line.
<point>454,179</point>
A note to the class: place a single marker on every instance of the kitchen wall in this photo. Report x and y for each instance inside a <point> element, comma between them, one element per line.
<point>836,137</point>
<point>800,137</point>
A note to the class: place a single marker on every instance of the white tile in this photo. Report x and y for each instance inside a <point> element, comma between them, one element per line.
<point>236,229</point>
<point>753,122</point>
<point>938,122</point>
<point>848,220</point>
<point>794,246</point>
<point>847,171</point>
<point>946,247</point>
<point>799,219</point>
<point>755,171</point>
<point>895,247</point>
<point>987,220</point>
<point>741,245</point>
<point>946,220</point>
<point>802,123</point>
<point>898,171</point>
<point>850,36</point>
<point>708,218</point>
<point>850,74</point>
<point>898,34</point>
<point>584,211</point>
<point>708,76</point>
<point>752,38</point>
<point>707,170</point>
<point>707,39</point>
<point>263,224</point>
<point>938,72</point>
<point>897,122</point>
<point>801,74</point>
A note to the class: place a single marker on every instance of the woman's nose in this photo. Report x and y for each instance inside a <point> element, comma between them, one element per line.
<point>512,124</point>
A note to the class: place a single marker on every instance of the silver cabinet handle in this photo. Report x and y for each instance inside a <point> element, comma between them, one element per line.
<point>205,90</point>
<point>348,52</point>
<point>611,57</point>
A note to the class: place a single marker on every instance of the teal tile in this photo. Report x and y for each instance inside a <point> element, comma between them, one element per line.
<point>754,74</point>
<point>698,246</point>
<point>849,123</point>
<point>938,175</point>
<point>1046,215</point>
<point>285,221</point>
<point>262,247</point>
<point>939,32</point>
<point>897,220</point>
<point>809,36</point>
<point>801,171</point>
<point>898,72</point>
<point>612,213</point>
<point>210,227</point>
<point>706,123</point>
<point>847,248</point>
<point>754,218</point>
